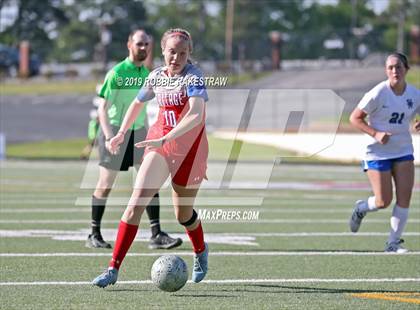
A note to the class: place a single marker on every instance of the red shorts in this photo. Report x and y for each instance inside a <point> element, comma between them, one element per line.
<point>185,156</point>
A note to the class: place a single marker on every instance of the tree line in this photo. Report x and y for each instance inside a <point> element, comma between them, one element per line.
<point>78,30</point>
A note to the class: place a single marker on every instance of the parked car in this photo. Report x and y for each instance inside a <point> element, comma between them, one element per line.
<point>9,61</point>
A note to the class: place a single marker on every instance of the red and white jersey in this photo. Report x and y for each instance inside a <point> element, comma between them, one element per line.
<point>172,93</point>
<point>388,112</point>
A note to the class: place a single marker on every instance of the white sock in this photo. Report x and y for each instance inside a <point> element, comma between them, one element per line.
<point>398,221</point>
<point>368,205</point>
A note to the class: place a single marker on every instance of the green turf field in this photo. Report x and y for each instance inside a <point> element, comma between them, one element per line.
<point>70,149</point>
<point>298,253</point>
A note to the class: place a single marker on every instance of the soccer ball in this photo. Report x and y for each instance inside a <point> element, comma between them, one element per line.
<point>169,273</point>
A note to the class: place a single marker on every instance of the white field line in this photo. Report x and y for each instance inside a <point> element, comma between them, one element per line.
<point>40,233</point>
<point>170,210</point>
<point>243,239</point>
<point>253,221</point>
<point>36,201</point>
<point>229,281</point>
<point>252,185</point>
<point>223,254</point>
<point>320,234</point>
<point>199,201</point>
<point>214,201</point>
<point>255,184</point>
<point>205,201</point>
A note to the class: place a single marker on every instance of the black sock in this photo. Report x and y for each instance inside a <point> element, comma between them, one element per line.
<point>98,209</point>
<point>153,214</point>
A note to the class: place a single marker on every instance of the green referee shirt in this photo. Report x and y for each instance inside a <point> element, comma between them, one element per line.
<point>121,85</point>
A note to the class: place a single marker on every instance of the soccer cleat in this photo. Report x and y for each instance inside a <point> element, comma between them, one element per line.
<point>200,265</point>
<point>109,276</point>
<point>356,217</point>
<point>395,247</point>
<point>96,241</point>
<point>163,241</point>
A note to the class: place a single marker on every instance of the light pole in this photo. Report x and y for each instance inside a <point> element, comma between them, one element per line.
<point>275,37</point>
<point>230,9</point>
<point>400,31</point>
<point>106,37</point>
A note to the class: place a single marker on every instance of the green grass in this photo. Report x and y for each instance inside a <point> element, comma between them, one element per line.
<point>71,149</point>
<point>49,87</point>
<point>63,149</point>
<point>413,76</point>
<point>238,79</point>
<point>47,190</point>
<point>220,149</point>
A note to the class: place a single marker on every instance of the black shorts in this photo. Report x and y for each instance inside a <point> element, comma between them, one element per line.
<point>128,156</point>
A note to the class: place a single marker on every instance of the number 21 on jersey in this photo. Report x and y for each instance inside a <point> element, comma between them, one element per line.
<point>396,118</point>
<point>170,118</point>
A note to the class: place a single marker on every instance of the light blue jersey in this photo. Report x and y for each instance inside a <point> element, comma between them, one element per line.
<point>388,112</point>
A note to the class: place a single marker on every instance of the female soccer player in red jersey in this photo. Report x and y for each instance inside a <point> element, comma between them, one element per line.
<point>176,146</point>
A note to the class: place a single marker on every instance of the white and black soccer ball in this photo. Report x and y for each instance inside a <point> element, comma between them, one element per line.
<point>169,273</point>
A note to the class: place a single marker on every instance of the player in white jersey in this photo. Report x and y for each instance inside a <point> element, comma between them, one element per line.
<point>390,107</point>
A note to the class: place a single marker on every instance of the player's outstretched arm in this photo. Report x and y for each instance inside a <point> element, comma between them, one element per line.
<point>192,118</point>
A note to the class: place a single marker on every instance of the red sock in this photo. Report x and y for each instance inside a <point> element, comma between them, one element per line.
<point>125,237</point>
<point>197,238</point>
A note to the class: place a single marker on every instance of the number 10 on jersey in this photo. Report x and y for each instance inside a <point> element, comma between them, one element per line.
<point>170,118</point>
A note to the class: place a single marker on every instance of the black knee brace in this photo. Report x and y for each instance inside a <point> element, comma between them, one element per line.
<point>191,220</point>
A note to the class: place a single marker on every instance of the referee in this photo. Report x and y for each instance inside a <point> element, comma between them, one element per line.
<point>121,85</point>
